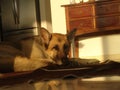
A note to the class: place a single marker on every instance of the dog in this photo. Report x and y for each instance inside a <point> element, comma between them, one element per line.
<point>35,52</point>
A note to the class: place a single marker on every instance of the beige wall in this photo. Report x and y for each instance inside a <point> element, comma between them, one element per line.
<point>58,15</point>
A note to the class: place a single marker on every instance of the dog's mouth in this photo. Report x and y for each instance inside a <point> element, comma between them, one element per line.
<point>60,60</point>
<point>57,60</point>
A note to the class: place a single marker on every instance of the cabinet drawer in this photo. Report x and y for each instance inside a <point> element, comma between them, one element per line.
<point>82,23</point>
<point>111,21</point>
<point>101,9</point>
<point>78,12</point>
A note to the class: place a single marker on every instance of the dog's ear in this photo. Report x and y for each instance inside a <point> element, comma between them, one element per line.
<point>71,35</point>
<point>45,35</point>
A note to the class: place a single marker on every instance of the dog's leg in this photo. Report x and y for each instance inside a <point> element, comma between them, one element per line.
<point>25,64</point>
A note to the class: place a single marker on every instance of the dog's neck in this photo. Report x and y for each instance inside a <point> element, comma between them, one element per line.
<point>33,48</point>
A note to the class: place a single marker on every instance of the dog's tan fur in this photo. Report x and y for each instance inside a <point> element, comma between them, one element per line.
<point>36,52</point>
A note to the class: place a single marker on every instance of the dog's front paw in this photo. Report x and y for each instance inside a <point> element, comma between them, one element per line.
<point>41,63</point>
<point>48,61</point>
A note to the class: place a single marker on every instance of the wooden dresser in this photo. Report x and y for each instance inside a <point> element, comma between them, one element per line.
<point>93,18</point>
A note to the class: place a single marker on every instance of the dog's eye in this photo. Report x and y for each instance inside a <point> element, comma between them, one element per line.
<point>56,47</point>
<point>65,46</point>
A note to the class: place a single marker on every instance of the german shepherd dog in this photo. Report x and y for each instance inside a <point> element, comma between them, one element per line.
<point>35,52</point>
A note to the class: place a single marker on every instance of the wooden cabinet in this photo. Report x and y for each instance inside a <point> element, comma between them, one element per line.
<point>91,17</point>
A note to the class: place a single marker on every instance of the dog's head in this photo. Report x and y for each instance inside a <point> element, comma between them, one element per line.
<point>57,45</point>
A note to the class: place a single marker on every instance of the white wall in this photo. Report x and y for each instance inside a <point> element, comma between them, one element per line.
<point>102,48</point>
<point>107,47</point>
